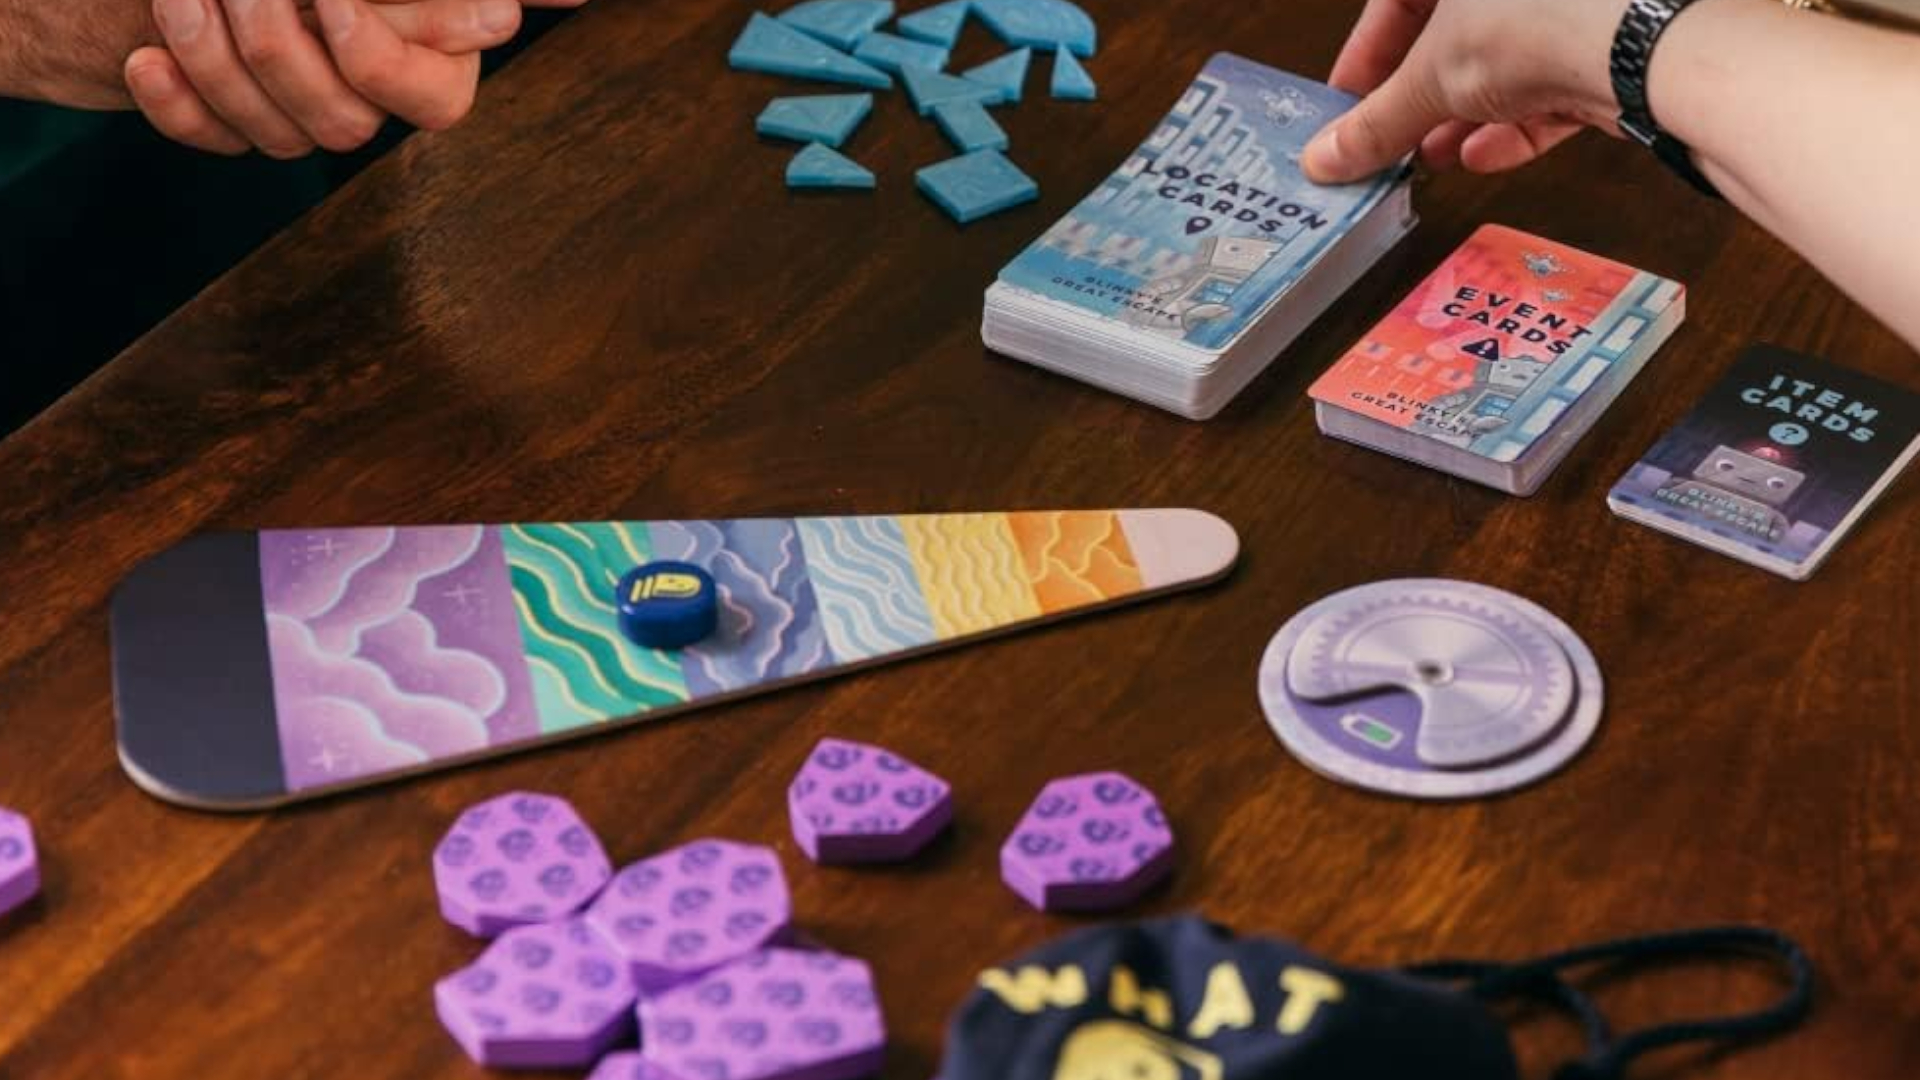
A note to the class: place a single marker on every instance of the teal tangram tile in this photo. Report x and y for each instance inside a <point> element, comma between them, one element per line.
<point>839,23</point>
<point>969,127</point>
<point>815,166</point>
<point>771,46</point>
<point>1008,74</point>
<point>974,185</point>
<point>1071,81</point>
<point>938,25</point>
<point>821,118</point>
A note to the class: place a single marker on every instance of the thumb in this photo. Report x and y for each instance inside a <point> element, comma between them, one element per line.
<point>424,87</point>
<point>1386,126</point>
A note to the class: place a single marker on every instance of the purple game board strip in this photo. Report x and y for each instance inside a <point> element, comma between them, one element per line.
<point>769,618</point>
<point>391,648</point>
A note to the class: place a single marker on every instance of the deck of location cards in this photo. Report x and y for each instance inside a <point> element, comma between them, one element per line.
<point>1496,364</point>
<point>1206,252</point>
<point>1778,463</point>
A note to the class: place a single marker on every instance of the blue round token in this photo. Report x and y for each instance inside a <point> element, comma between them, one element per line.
<point>668,605</point>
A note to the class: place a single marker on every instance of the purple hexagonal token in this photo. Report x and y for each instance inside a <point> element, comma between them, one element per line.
<point>629,1065</point>
<point>549,996</point>
<point>682,913</point>
<point>1088,843</point>
<point>19,861</point>
<point>854,803</point>
<point>517,859</point>
<point>779,1014</point>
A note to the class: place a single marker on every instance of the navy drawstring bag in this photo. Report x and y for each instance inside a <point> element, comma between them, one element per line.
<point>1184,999</point>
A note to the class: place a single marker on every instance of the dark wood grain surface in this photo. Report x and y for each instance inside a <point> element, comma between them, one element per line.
<point>596,301</point>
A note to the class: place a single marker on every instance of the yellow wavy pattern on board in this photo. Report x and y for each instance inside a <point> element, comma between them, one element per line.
<point>970,571</point>
<point>1075,558</point>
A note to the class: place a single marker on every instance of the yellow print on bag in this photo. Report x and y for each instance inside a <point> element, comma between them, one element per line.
<point>1226,1006</point>
<point>1120,1050</point>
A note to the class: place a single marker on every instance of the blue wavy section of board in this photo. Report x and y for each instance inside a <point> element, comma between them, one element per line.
<point>584,670</point>
<point>870,598</point>
<point>769,618</point>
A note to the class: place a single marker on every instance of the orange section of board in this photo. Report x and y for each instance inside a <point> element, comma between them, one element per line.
<point>1075,557</point>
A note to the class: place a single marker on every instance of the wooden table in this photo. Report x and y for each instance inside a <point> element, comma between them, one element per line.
<point>595,300</point>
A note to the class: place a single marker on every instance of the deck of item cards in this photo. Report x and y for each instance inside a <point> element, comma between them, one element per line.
<point>1496,364</point>
<point>1205,254</point>
<point>1777,463</point>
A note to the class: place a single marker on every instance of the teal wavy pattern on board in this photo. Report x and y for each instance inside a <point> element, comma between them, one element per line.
<point>584,670</point>
<point>869,592</point>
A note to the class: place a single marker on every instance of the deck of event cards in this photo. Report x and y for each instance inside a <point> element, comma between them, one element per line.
<point>1496,364</point>
<point>1205,254</point>
<point>1777,463</point>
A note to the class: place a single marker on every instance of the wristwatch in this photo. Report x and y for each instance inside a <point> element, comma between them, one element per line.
<point>1633,43</point>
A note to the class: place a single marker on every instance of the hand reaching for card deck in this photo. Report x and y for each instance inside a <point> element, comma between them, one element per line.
<point>1488,84</point>
<point>282,76</point>
<point>1804,121</point>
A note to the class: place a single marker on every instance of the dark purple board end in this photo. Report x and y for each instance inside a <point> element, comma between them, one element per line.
<point>192,680</point>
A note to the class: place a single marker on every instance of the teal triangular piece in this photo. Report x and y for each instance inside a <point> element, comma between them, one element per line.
<point>930,88</point>
<point>818,167</point>
<point>1008,75</point>
<point>839,23</point>
<point>1046,25</point>
<point>821,118</point>
<point>1071,81</point>
<point>897,54</point>
<point>940,24</point>
<point>969,127</point>
<point>772,46</point>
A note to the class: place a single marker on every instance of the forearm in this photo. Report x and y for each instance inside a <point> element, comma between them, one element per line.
<point>69,52</point>
<point>1811,125</point>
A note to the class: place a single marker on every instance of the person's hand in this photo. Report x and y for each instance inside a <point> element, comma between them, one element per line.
<point>233,75</point>
<point>1485,84</point>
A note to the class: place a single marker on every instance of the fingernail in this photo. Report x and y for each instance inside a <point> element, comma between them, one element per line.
<point>151,80</point>
<point>182,19</point>
<point>498,16</point>
<point>1321,159</point>
<point>339,24</point>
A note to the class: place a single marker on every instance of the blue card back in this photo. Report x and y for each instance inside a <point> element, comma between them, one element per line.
<point>1210,221</point>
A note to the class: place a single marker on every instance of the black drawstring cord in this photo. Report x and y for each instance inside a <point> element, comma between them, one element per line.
<point>1545,986</point>
<point>1607,1058</point>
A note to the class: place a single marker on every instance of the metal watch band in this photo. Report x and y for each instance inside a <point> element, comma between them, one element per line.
<point>1640,30</point>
